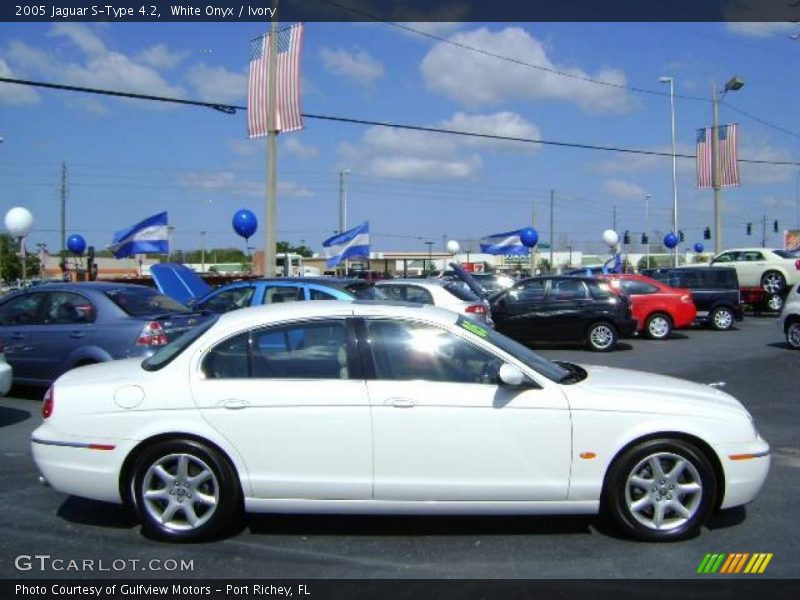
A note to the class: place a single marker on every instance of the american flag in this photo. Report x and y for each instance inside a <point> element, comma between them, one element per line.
<point>728,158</point>
<point>287,83</point>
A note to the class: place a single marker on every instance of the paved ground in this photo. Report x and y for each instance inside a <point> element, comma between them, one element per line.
<point>759,368</point>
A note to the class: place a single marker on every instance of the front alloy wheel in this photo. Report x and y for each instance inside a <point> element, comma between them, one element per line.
<point>793,334</point>
<point>775,302</point>
<point>184,491</point>
<point>722,319</point>
<point>661,490</point>
<point>602,337</point>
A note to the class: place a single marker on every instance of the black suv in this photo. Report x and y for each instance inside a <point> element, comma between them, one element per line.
<point>563,309</point>
<point>715,291</point>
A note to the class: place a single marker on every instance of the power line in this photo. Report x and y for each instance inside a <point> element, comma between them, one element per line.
<point>231,109</point>
<point>760,120</point>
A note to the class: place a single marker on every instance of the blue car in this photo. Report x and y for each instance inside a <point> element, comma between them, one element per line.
<point>51,328</point>
<point>185,286</point>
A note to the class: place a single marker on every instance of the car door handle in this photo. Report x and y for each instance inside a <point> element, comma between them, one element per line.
<point>234,404</point>
<point>402,402</point>
<point>77,335</point>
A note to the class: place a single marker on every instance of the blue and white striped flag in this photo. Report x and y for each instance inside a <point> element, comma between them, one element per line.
<point>350,244</point>
<point>151,236</point>
<point>504,243</point>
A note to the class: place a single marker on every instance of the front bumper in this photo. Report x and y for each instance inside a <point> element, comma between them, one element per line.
<point>746,467</point>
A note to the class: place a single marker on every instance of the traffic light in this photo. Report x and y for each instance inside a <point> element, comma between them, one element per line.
<point>626,237</point>
<point>707,233</point>
<point>749,229</point>
<point>775,226</point>
<point>680,236</point>
<point>645,239</point>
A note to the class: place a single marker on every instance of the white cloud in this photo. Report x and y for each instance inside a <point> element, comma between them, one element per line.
<point>758,174</point>
<point>479,80</point>
<point>80,35</point>
<point>624,190</point>
<point>14,94</point>
<point>357,66</point>
<point>226,182</point>
<point>217,84</point>
<point>506,124</point>
<point>294,146</point>
<point>402,153</point>
<point>641,163</point>
<point>161,57</point>
<point>116,71</point>
<point>763,30</point>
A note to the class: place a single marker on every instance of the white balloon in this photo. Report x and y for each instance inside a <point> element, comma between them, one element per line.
<point>453,247</point>
<point>610,237</point>
<point>19,221</point>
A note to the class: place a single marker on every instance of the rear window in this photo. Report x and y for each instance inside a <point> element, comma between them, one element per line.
<point>366,291</point>
<point>168,353</point>
<point>460,290</point>
<point>141,302</point>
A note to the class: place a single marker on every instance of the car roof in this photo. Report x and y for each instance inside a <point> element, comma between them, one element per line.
<point>100,286</point>
<point>751,249</point>
<point>417,281</point>
<point>274,313</point>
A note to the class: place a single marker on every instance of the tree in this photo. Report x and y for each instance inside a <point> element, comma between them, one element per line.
<point>10,262</point>
<point>302,250</point>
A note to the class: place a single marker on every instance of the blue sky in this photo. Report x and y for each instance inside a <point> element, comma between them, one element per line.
<point>129,159</point>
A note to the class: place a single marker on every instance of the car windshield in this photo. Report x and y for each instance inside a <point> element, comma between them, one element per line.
<point>168,353</point>
<point>523,354</point>
<point>366,291</point>
<point>787,253</point>
<point>140,302</point>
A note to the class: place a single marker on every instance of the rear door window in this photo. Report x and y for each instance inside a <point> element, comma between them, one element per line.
<point>228,300</point>
<point>66,308</point>
<point>283,293</point>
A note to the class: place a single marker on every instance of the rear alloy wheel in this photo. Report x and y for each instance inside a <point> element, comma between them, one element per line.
<point>601,337</point>
<point>793,334</point>
<point>661,490</point>
<point>773,282</point>
<point>775,302</point>
<point>722,318</point>
<point>658,326</point>
<point>184,491</point>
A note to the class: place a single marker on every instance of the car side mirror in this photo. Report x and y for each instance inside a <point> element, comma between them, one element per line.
<point>511,375</point>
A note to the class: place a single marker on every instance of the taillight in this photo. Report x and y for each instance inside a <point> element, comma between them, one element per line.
<point>687,299</point>
<point>476,309</point>
<point>47,402</point>
<point>152,334</point>
<point>797,264</point>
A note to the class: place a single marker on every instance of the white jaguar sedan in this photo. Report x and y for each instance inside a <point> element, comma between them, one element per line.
<point>330,407</point>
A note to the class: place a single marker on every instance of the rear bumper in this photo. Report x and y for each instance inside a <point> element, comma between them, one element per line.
<point>627,327</point>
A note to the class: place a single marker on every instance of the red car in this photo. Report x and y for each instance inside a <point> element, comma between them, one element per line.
<point>657,307</point>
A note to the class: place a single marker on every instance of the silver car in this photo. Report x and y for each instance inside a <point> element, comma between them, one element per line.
<point>452,295</point>
<point>789,321</point>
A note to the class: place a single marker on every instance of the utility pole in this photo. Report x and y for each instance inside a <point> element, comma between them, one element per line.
<point>647,227</point>
<point>533,250</point>
<point>552,226</point>
<point>614,223</point>
<point>764,232</point>
<point>63,209</point>
<point>343,210</point>
<point>272,148</point>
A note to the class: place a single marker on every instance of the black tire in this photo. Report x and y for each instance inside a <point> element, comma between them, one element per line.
<point>602,337</point>
<point>793,333</point>
<point>773,282</point>
<point>775,302</point>
<point>188,501</point>
<point>721,318</point>
<point>658,326</point>
<point>634,495</point>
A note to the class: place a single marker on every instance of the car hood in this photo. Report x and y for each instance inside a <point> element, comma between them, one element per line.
<point>610,388</point>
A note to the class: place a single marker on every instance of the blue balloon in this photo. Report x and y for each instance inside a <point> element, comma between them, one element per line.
<point>529,237</point>
<point>670,240</point>
<point>76,244</point>
<point>698,247</point>
<point>245,223</point>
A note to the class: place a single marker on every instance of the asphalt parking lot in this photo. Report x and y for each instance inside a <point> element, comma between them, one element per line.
<point>754,361</point>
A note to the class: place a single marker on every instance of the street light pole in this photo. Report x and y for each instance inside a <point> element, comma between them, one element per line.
<point>343,209</point>
<point>647,227</point>
<point>732,85</point>
<point>203,253</point>
<point>671,82</point>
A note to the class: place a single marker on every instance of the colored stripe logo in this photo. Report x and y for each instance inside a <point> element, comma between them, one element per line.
<point>737,562</point>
